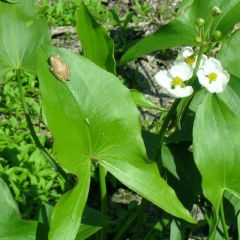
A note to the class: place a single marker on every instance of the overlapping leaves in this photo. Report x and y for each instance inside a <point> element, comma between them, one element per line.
<point>93,118</point>
<point>12,226</point>
<point>182,30</point>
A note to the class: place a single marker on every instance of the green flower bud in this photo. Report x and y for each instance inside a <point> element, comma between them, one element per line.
<point>216,11</point>
<point>198,40</point>
<point>200,22</point>
<point>217,35</point>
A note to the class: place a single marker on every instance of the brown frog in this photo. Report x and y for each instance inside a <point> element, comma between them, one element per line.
<point>59,69</point>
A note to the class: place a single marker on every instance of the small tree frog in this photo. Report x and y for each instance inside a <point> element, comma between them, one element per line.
<point>59,69</point>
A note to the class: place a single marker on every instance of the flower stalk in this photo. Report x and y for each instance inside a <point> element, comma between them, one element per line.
<point>32,130</point>
<point>103,194</point>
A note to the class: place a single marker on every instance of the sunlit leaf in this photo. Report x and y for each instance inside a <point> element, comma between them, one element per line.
<point>182,30</point>
<point>20,36</point>
<point>230,54</point>
<point>216,149</point>
<point>92,118</point>
<point>231,95</point>
<point>96,43</point>
<point>142,101</point>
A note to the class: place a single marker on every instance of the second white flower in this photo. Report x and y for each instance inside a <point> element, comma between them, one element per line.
<point>174,80</point>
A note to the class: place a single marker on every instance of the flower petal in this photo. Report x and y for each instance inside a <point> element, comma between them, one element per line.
<point>187,52</point>
<point>182,70</point>
<point>224,76</point>
<point>180,92</point>
<point>163,79</point>
<point>212,65</point>
<point>216,87</point>
<point>203,80</point>
<point>203,61</point>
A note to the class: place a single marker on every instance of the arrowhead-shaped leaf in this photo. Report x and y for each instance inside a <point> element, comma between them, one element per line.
<point>12,226</point>
<point>93,117</point>
<point>216,149</point>
<point>21,34</point>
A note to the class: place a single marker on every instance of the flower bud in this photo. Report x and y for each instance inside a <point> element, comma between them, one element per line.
<point>217,35</point>
<point>200,22</point>
<point>216,11</point>
<point>198,40</point>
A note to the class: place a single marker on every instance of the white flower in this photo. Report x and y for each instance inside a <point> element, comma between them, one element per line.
<point>174,80</point>
<point>188,56</point>
<point>212,76</point>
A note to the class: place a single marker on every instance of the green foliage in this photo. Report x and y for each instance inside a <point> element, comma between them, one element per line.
<point>95,125</point>
<point>11,225</point>
<point>104,123</point>
<point>219,150</point>
<point>182,30</point>
<point>30,177</point>
<point>92,35</point>
<point>141,101</point>
<point>20,50</point>
<point>59,13</point>
<point>229,54</point>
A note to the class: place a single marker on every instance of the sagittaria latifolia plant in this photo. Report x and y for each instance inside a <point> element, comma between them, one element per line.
<point>93,118</point>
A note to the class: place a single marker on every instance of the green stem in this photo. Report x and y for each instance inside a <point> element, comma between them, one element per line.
<point>198,62</point>
<point>164,128</point>
<point>224,225</point>
<point>32,131</point>
<point>103,193</point>
<point>207,32</point>
<point>205,214</point>
<point>126,226</point>
<point>140,220</point>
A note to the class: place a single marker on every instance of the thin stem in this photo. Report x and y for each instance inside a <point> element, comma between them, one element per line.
<point>164,128</point>
<point>224,225</point>
<point>140,220</point>
<point>205,214</point>
<point>126,226</point>
<point>32,131</point>
<point>198,62</point>
<point>207,32</point>
<point>103,193</point>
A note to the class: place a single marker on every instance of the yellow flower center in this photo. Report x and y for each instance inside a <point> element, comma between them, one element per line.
<point>212,77</point>
<point>190,60</point>
<point>177,81</point>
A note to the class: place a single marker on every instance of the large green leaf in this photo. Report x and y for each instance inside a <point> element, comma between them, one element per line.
<point>96,43</point>
<point>12,227</point>
<point>20,36</point>
<point>93,117</point>
<point>182,30</point>
<point>68,212</point>
<point>216,148</point>
<point>230,54</point>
